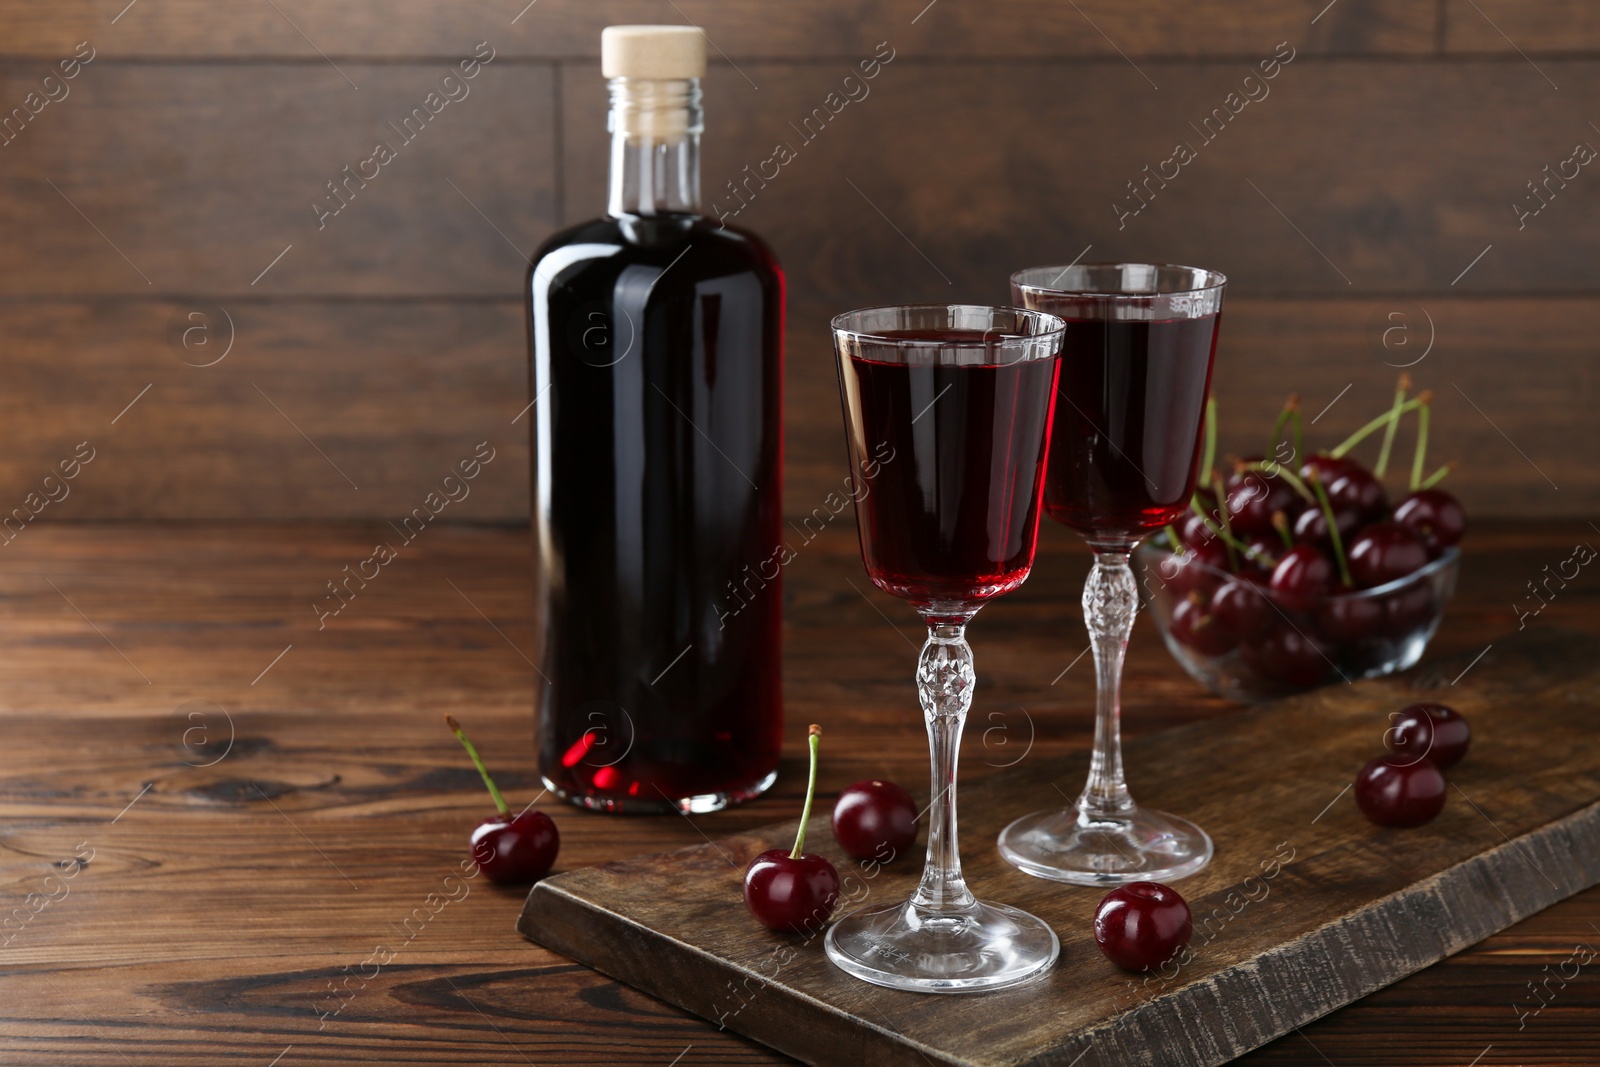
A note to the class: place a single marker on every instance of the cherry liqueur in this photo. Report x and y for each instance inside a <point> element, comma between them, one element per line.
<point>656,349</point>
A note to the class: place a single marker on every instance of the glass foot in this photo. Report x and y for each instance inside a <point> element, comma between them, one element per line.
<point>1146,846</point>
<point>981,947</point>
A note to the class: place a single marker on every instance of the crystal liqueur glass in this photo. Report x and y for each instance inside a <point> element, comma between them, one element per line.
<point>947,410</point>
<point>1135,372</point>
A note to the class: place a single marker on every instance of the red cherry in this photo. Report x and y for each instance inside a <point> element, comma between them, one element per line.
<point>1238,476</point>
<point>1254,497</point>
<point>516,851</point>
<point>1286,655</point>
<point>875,820</point>
<point>1199,570</point>
<point>1409,610</point>
<point>1262,547</point>
<point>1301,577</point>
<point>1346,616</point>
<point>1312,526</point>
<point>1325,467</point>
<point>1355,487</point>
<point>792,894</point>
<point>1384,552</point>
<point>1193,625</point>
<point>793,890</point>
<point>511,851</point>
<point>1429,731</point>
<point>1141,925</point>
<point>1392,792</point>
<point>1240,608</point>
<point>1435,517</point>
<point>1194,532</point>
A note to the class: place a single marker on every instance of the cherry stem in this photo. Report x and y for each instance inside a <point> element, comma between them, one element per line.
<point>1257,555</point>
<point>1222,509</point>
<point>1299,433</point>
<point>477,761</point>
<point>1339,450</point>
<point>1400,390</point>
<point>1333,528</point>
<point>1230,542</point>
<point>1438,476</point>
<point>1422,446</point>
<point>1290,408</point>
<point>1210,455</point>
<point>1280,522</point>
<point>1172,535</point>
<point>813,739</point>
<point>1274,469</point>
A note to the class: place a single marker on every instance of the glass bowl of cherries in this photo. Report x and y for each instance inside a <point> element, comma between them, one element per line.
<point>1295,571</point>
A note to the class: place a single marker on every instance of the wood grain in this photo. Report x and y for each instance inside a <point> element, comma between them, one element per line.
<point>354,408</point>
<point>561,29</point>
<point>196,178</point>
<point>195,171</point>
<point>1555,27</point>
<point>394,393</point>
<point>1357,908</point>
<point>952,157</point>
<point>207,928</point>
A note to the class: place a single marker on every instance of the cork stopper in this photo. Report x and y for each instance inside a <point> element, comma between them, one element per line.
<point>653,52</point>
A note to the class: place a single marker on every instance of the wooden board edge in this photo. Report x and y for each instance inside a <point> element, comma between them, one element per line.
<point>689,978</point>
<point>1427,922</point>
<point>1217,1020</point>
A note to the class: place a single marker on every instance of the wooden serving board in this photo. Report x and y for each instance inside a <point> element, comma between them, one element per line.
<point>1306,906</point>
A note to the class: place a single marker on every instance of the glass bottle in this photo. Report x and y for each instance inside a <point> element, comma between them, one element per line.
<point>656,351</point>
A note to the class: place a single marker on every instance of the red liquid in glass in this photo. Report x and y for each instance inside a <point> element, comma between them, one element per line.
<point>657,515</point>
<point>950,461</point>
<point>1129,413</point>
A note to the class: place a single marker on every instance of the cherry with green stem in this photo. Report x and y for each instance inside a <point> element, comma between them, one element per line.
<point>1274,469</point>
<point>1334,537</point>
<point>511,850</point>
<point>1435,516</point>
<point>1231,543</point>
<point>1256,490</point>
<point>793,890</point>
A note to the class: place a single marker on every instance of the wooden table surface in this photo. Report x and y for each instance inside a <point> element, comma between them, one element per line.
<point>234,887</point>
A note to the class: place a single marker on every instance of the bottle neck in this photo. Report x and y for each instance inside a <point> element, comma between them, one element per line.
<point>655,146</point>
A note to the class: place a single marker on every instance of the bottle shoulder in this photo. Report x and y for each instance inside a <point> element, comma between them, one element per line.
<point>661,237</point>
<point>738,237</point>
<point>600,231</point>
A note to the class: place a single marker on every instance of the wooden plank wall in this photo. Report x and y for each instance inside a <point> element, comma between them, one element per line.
<point>1361,202</point>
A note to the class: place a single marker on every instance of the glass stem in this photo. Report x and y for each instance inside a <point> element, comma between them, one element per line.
<point>1110,601</point>
<point>944,686</point>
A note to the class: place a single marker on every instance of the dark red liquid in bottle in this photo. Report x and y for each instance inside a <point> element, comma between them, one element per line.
<point>657,443</point>
<point>949,460</point>
<point>1129,413</point>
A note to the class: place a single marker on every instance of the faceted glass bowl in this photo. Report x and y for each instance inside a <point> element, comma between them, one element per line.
<point>1335,638</point>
